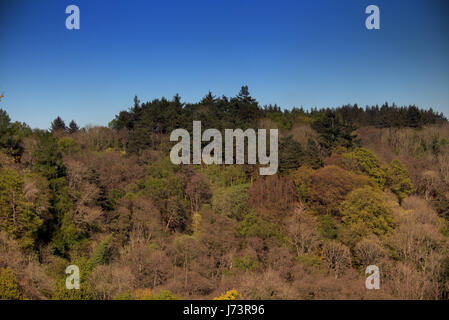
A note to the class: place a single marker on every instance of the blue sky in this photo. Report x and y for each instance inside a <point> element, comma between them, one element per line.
<point>314,53</point>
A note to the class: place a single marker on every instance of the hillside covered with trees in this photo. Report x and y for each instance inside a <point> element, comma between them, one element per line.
<point>355,187</point>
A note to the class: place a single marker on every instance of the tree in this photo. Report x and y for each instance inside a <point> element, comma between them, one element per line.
<point>9,288</point>
<point>365,212</point>
<point>275,204</point>
<point>73,127</point>
<point>290,155</point>
<point>254,226</point>
<point>328,187</point>
<point>231,201</point>
<point>337,257</point>
<point>197,188</point>
<point>334,130</point>
<point>312,155</point>
<point>166,190</point>
<point>225,175</point>
<point>398,180</point>
<point>365,161</point>
<point>101,254</point>
<point>301,229</point>
<point>328,227</point>
<point>302,178</point>
<point>47,157</point>
<point>5,120</point>
<point>16,215</point>
<point>11,136</point>
<point>243,110</point>
<point>58,125</point>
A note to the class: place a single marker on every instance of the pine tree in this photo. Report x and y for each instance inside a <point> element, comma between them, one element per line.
<point>291,155</point>
<point>73,127</point>
<point>58,125</point>
<point>312,155</point>
<point>11,135</point>
<point>16,215</point>
<point>101,253</point>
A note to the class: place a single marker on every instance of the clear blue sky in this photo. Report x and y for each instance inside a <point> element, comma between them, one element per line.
<point>311,53</point>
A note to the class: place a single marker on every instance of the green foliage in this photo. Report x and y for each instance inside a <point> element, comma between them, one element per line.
<point>312,155</point>
<point>291,155</point>
<point>62,293</point>
<point>254,226</point>
<point>67,237</point>
<point>231,201</point>
<point>11,136</point>
<point>365,161</point>
<point>327,227</point>
<point>47,157</point>
<point>123,296</point>
<point>85,292</point>
<point>302,178</point>
<point>282,121</point>
<point>162,116</point>
<point>16,215</point>
<point>225,175</point>
<point>334,130</point>
<point>73,127</point>
<point>114,196</point>
<point>166,190</point>
<point>245,263</point>
<point>365,212</point>
<point>9,288</point>
<point>164,295</point>
<point>61,202</point>
<point>68,145</point>
<point>398,180</point>
<point>441,205</point>
<point>101,254</point>
<point>48,162</point>
<point>312,260</point>
<point>58,125</point>
<point>388,116</point>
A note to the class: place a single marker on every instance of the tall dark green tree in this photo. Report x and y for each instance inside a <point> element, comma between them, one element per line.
<point>334,130</point>
<point>58,125</point>
<point>11,136</point>
<point>244,110</point>
<point>312,156</point>
<point>73,127</point>
<point>48,162</point>
<point>291,155</point>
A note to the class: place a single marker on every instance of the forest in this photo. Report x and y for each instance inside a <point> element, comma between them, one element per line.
<point>355,187</point>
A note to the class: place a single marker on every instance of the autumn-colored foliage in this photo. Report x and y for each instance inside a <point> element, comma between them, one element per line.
<point>329,186</point>
<point>275,204</point>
